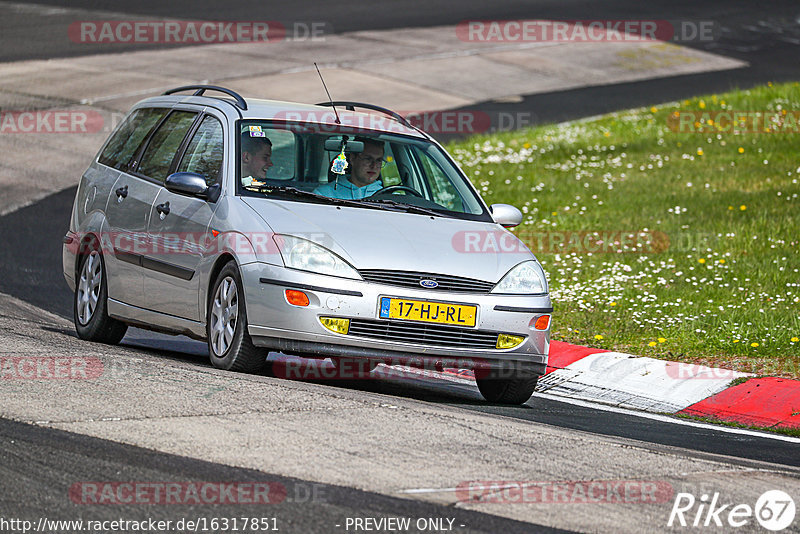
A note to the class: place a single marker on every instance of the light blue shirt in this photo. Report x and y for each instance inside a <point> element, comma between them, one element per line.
<point>345,189</point>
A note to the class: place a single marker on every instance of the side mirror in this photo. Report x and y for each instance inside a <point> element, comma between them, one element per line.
<point>192,184</point>
<point>506,215</point>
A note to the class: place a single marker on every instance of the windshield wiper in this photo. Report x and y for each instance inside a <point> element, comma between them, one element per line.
<point>301,193</point>
<point>383,203</point>
<point>293,191</point>
<point>410,208</point>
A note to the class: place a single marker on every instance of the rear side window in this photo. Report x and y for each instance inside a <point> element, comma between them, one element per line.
<point>284,152</point>
<point>205,151</point>
<point>157,158</point>
<point>127,139</point>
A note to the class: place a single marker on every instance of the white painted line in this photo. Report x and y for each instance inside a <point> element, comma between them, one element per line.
<point>668,418</point>
<point>532,484</point>
<point>450,490</point>
<point>428,490</point>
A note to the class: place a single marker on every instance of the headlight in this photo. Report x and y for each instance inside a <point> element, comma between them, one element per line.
<point>304,255</point>
<point>527,278</point>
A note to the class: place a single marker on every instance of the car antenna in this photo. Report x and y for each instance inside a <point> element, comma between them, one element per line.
<point>328,93</point>
<point>340,162</point>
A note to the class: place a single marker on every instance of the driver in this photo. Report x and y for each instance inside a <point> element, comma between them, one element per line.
<point>256,159</point>
<point>365,170</point>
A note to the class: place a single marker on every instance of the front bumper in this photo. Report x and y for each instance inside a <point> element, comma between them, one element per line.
<point>278,325</point>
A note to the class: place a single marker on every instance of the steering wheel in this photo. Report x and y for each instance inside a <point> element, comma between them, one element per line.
<point>393,188</point>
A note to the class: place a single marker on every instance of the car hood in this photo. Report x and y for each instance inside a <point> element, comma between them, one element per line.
<point>390,240</point>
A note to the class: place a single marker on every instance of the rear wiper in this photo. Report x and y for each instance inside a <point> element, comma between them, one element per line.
<point>410,208</point>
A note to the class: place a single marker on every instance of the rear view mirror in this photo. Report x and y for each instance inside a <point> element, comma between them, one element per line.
<point>335,145</point>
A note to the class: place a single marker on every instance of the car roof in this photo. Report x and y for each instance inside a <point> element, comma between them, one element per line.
<point>294,111</point>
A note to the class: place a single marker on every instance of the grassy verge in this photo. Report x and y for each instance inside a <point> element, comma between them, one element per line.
<point>663,237</point>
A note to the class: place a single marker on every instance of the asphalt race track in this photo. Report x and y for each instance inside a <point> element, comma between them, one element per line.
<point>40,463</point>
<point>303,508</point>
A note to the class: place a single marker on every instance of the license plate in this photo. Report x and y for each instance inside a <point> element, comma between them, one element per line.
<point>428,312</point>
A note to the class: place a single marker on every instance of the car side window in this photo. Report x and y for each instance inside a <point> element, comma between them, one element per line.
<point>205,152</point>
<point>442,189</point>
<point>390,174</point>
<point>157,158</point>
<point>127,139</point>
<point>284,155</point>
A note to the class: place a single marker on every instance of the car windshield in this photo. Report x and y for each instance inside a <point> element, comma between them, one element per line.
<point>369,169</point>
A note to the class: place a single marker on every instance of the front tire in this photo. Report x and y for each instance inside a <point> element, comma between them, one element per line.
<point>90,307</point>
<point>506,390</point>
<point>229,344</point>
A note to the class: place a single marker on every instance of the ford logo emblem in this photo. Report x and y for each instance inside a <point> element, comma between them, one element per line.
<point>430,284</point>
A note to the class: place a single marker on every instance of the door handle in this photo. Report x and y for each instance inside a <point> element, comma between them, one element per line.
<point>163,209</point>
<point>122,192</point>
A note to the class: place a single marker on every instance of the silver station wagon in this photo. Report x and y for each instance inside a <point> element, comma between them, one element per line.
<point>336,230</point>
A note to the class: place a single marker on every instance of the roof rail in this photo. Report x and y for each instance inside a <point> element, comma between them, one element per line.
<point>350,106</point>
<point>200,89</point>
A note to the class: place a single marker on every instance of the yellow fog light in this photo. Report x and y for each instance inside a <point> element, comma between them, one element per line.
<point>335,324</point>
<point>507,341</point>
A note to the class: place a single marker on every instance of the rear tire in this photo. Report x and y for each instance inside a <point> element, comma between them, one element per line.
<point>89,304</point>
<point>506,390</point>
<point>229,344</point>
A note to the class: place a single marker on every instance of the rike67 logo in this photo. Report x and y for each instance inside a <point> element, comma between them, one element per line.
<point>774,510</point>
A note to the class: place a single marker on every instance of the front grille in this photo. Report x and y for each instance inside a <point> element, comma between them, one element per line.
<point>423,334</point>
<point>412,279</point>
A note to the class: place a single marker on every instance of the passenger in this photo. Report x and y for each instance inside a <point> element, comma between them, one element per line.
<point>256,159</point>
<point>365,170</point>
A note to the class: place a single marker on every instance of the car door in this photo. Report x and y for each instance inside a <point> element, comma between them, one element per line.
<point>128,206</point>
<point>178,227</point>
